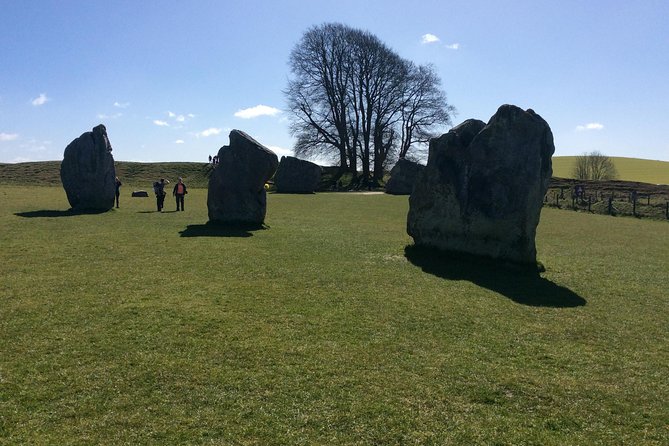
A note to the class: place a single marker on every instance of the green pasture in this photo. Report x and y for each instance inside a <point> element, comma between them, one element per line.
<point>629,169</point>
<point>136,327</point>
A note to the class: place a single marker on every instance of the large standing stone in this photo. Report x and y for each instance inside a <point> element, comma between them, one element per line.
<point>482,189</point>
<point>403,176</point>
<point>237,184</point>
<point>87,172</point>
<point>296,176</point>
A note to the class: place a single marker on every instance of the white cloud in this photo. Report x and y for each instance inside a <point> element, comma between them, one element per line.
<point>8,136</point>
<point>590,126</point>
<point>20,159</point>
<point>258,110</point>
<point>179,141</point>
<point>280,151</point>
<point>180,118</point>
<point>209,132</point>
<point>160,123</point>
<point>121,104</point>
<point>429,38</point>
<point>453,46</point>
<point>114,116</point>
<point>40,100</point>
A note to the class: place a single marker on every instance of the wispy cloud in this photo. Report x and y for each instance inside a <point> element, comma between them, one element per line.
<point>590,126</point>
<point>113,116</point>
<point>8,136</point>
<point>258,110</point>
<point>40,100</point>
<point>180,118</point>
<point>209,132</point>
<point>453,46</point>
<point>179,141</point>
<point>429,38</point>
<point>35,146</point>
<point>121,104</point>
<point>160,123</point>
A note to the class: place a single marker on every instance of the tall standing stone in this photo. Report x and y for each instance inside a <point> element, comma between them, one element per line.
<point>296,176</point>
<point>87,172</point>
<point>237,185</point>
<point>482,189</point>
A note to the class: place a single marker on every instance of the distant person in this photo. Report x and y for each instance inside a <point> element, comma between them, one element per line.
<point>209,159</point>
<point>159,190</point>
<point>118,190</point>
<point>179,192</point>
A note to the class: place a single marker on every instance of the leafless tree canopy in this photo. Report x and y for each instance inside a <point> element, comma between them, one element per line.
<point>594,166</point>
<point>355,101</point>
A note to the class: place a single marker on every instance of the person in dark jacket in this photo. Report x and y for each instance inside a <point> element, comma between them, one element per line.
<point>159,190</point>
<point>118,190</point>
<point>179,192</point>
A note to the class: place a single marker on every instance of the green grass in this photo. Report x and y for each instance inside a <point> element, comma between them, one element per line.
<point>629,169</point>
<point>137,327</point>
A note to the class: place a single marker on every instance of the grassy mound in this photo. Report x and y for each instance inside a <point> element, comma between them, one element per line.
<point>629,169</point>
<point>138,327</point>
<point>137,175</point>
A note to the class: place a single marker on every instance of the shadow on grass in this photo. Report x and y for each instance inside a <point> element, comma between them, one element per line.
<point>521,284</point>
<point>56,213</point>
<point>221,230</point>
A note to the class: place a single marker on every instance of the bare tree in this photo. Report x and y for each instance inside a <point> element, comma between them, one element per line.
<point>354,100</point>
<point>594,166</point>
<point>318,95</point>
<point>425,108</point>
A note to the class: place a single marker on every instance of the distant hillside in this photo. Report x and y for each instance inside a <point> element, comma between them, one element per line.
<point>629,169</point>
<point>137,175</point>
<point>142,175</point>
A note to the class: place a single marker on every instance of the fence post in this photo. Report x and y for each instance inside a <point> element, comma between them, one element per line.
<point>610,205</point>
<point>667,210</point>
<point>634,203</point>
<point>589,202</point>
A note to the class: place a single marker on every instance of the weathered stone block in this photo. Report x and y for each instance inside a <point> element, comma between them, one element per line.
<point>296,176</point>
<point>87,172</point>
<point>483,187</point>
<point>403,176</point>
<point>237,184</point>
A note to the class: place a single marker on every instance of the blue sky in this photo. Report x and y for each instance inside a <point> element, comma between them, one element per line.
<point>170,79</point>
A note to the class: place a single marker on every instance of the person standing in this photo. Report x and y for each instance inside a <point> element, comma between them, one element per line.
<point>118,190</point>
<point>179,192</point>
<point>159,190</point>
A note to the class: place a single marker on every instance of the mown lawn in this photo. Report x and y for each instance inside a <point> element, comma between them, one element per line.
<point>137,327</point>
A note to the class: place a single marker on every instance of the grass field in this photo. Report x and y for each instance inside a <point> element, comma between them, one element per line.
<point>629,169</point>
<point>136,327</point>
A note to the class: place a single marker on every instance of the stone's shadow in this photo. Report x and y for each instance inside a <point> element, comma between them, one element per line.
<point>221,230</point>
<point>521,284</point>
<point>50,213</point>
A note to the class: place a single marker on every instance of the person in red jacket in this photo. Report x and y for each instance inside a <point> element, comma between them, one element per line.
<point>179,192</point>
